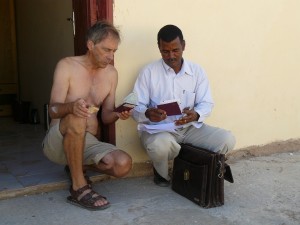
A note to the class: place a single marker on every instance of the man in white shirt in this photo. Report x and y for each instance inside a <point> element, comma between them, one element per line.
<point>174,79</point>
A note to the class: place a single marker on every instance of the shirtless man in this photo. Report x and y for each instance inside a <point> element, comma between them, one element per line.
<point>79,83</point>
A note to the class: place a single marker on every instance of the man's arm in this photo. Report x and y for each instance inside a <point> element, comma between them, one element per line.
<point>108,105</point>
<point>203,99</point>
<point>141,89</point>
<point>58,107</point>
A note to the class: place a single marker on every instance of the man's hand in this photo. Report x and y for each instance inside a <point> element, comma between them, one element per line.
<point>124,115</point>
<point>80,108</point>
<point>155,115</point>
<point>189,116</point>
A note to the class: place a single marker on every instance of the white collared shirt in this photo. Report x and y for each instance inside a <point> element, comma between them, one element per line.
<point>157,82</point>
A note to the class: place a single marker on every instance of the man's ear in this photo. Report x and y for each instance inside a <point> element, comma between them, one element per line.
<point>183,45</point>
<point>90,44</point>
<point>158,44</point>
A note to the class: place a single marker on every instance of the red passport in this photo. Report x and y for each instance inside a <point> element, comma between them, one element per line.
<point>171,108</point>
<point>124,107</point>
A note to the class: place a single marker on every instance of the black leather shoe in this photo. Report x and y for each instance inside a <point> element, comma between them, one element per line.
<point>159,180</point>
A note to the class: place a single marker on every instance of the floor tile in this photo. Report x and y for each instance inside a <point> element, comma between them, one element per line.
<point>22,162</point>
<point>9,182</point>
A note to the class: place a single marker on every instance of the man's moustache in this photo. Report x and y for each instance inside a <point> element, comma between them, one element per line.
<point>172,60</point>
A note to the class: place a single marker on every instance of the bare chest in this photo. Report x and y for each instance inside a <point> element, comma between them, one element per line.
<point>91,87</point>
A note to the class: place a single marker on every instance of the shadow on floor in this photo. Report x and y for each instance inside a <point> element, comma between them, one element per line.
<point>22,162</point>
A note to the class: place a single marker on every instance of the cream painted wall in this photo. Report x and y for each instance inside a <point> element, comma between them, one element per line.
<point>249,49</point>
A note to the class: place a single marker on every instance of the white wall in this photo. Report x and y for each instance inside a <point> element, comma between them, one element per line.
<point>249,49</point>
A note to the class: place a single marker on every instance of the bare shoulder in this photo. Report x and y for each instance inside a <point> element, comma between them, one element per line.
<point>69,61</point>
<point>109,74</point>
<point>66,66</point>
<point>111,71</point>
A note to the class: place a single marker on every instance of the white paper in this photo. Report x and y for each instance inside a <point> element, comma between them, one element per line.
<point>156,128</point>
<point>170,101</point>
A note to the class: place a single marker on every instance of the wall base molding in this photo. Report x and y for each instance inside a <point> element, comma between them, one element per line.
<point>291,145</point>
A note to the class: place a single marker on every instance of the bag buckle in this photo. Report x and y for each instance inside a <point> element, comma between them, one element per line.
<point>221,173</point>
<point>186,174</point>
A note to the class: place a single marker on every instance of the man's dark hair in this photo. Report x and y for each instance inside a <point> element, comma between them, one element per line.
<point>169,33</point>
<point>100,30</point>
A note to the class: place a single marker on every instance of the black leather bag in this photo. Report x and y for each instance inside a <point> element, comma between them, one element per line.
<point>198,175</point>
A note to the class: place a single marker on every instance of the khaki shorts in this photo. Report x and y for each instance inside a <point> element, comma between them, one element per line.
<point>94,150</point>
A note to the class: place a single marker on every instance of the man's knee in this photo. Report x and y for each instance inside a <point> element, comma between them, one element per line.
<point>162,149</point>
<point>119,162</point>
<point>123,165</point>
<point>228,142</point>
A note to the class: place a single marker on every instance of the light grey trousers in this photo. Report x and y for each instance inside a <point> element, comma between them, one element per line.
<point>165,146</point>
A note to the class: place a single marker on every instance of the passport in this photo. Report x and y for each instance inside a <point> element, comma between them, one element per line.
<point>171,108</point>
<point>124,107</point>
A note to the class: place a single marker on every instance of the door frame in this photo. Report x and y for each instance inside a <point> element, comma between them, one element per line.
<point>85,14</point>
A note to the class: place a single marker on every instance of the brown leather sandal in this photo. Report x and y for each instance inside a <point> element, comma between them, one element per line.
<point>86,200</point>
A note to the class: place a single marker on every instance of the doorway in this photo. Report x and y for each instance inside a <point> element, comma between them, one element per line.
<point>44,34</point>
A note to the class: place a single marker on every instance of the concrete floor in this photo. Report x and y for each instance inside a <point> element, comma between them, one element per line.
<point>266,192</point>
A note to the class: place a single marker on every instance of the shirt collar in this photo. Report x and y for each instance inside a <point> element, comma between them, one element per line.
<point>185,69</point>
